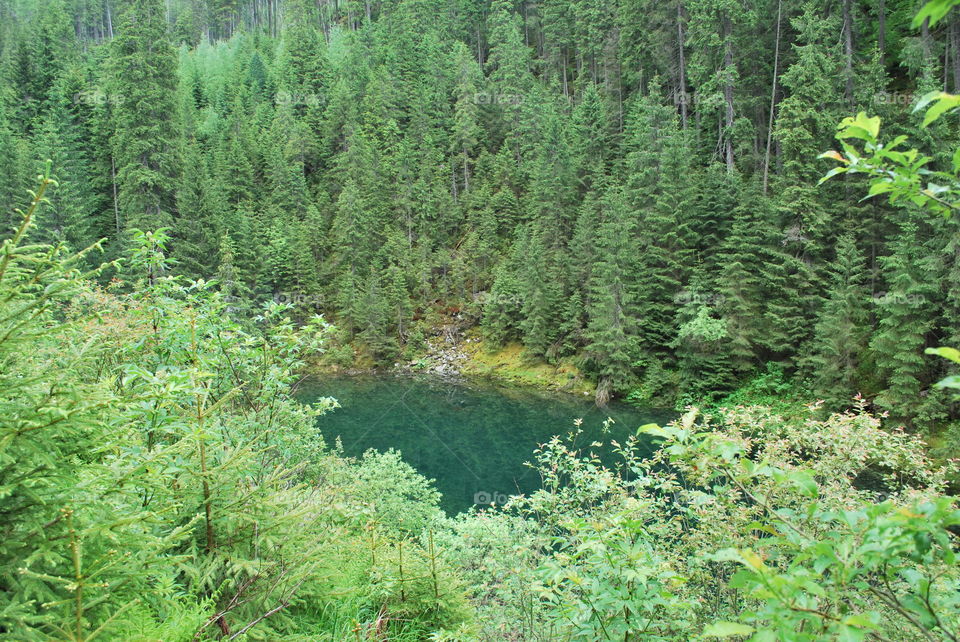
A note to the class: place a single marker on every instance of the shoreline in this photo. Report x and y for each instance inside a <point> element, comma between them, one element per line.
<point>471,358</point>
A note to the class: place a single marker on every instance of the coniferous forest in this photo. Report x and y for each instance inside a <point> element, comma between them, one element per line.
<point>746,210</point>
<point>629,185</point>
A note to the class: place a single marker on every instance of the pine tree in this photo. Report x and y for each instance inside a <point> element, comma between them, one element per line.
<point>502,308</point>
<point>740,288</point>
<point>591,124</point>
<point>583,251</point>
<point>54,222</point>
<point>714,31</point>
<point>480,250</point>
<point>373,317</point>
<point>905,320</point>
<point>71,144</point>
<point>302,77</point>
<point>284,152</point>
<point>234,291</point>
<point>396,288</point>
<point>701,347</point>
<point>764,293</point>
<point>145,85</point>
<point>41,58</point>
<point>14,158</point>
<point>508,68</point>
<point>836,354</point>
<point>194,232</point>
<point>65,441</point>
<point>541,290</point>
<point>657,171</point>
<point>805,126</point>
<point>716,195</point>
<point>611,349</point>
<point>466,130</point>
<point>354,240</point>
<point>234,167</point>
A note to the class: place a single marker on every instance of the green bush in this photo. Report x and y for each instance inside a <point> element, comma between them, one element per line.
<point>159,481</point>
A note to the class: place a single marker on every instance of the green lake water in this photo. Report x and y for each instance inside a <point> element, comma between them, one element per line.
<point>472,437</point>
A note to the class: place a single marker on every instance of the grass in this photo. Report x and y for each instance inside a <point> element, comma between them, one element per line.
<point>512,364</point>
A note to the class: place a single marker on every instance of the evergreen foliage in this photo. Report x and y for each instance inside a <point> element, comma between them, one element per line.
<point>566,176</point>
<point>626,186</point>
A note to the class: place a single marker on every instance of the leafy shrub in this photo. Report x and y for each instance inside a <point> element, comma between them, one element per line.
<point>159,481</point>
<point>743,523</point>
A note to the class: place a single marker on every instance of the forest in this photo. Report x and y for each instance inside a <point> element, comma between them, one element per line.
<point>631,186</point>
<point>746,210</point>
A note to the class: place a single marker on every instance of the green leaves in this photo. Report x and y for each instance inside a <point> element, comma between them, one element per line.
<point>727,629</point>
<point>947,353</point>
<point>609,569</point>
<point>934,11</point>
<point>861,127</point>
<point>828,553</point>
<point>804,481</point>
<point>942,104</point>
<point>953,355</point>
<point>901,174</point>
<point>656,431</point>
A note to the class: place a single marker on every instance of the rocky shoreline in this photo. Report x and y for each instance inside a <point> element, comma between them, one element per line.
<point>445,357</point>
<point>454,351</point>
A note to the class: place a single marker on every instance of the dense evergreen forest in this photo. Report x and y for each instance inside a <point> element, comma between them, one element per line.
<point>627,185</point>
<point>691,200</point>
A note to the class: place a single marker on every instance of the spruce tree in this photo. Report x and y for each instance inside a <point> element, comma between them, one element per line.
<point>611,349</point>
<point>740,290</point>
<point>657,171</point>
<point>905,319</point>
<point>805,126</point>
<point>541,290</point>
<point>502,308</point>
<point>144,84</point>
<point>509,64</point>
<point>835,361</point>
<point>16,161</point>
<point>466,129</point>
<point>195,233</point>
<point>701,345</point>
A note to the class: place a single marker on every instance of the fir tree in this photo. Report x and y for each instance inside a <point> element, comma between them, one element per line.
<point>701,348</point>
<point>466,130</point>
<point>611,348</point>
<point>837,350</point>
<point>195,233</point>
<point>145,85</point>
<point>904,322</point>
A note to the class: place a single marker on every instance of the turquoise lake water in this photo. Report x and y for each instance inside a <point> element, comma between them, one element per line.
<point>471,437</point>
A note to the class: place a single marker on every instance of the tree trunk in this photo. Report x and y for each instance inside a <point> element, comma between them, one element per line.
<point>848,48</point>
<point>683,67</point>
<point>946,62</point>
<point>602,395</point>
<point>619,98</point>
<point>882,30</point>
<point>955,50</point>
<point>479,47</point>
<point>926,41</point>
<point>453,182</point>
<point>728,93</point>
<point>773,100</point>
<point>526,24</point>
<point>113,182</point>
